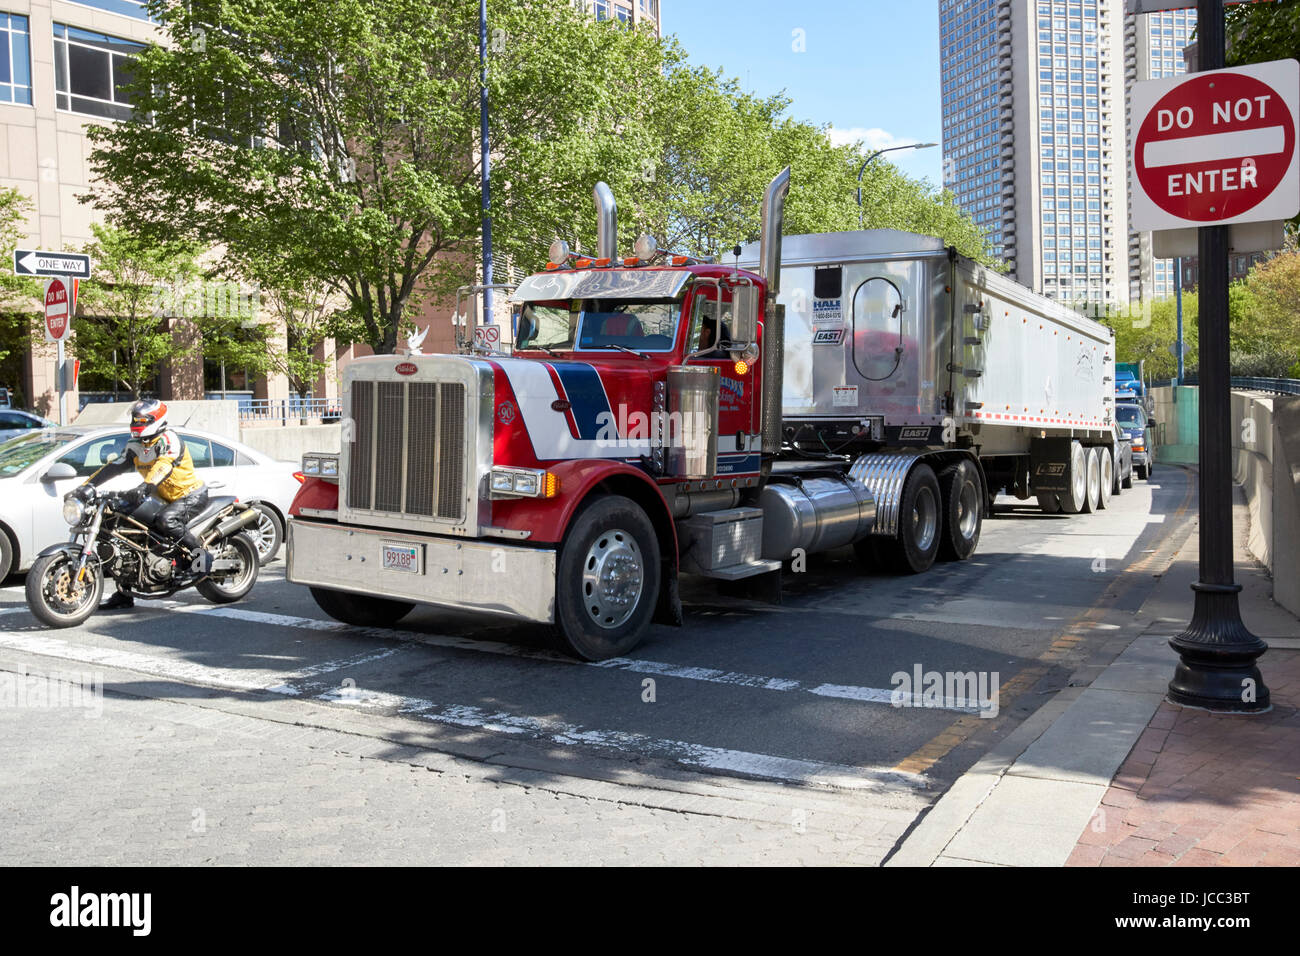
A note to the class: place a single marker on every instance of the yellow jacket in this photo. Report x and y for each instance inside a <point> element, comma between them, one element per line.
<point>163,461</point>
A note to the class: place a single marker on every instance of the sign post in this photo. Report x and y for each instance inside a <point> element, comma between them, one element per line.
<point>1214,150</point>
<point>58,322</point>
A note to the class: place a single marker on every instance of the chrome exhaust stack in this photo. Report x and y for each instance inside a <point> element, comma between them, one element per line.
<point>769,257</point>
<point>606,222</point>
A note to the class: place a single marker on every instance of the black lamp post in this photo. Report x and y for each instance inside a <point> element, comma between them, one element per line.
<point>1216,668</point>
<point>867,162</point>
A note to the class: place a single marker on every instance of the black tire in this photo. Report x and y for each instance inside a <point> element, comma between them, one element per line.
<point>6,554</point>
<point>52,573</point>
<point>1127,480</point>
<point>1049,502</point>
<point>267,534</point>
<point>920,524</point>
<point>962,494</point>
<point>1146,472</point>
<point>360,609</point>
<point>232,586</point>
<point>610,541</point>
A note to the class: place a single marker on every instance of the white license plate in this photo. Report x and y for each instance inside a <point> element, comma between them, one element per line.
<point>402,557</point>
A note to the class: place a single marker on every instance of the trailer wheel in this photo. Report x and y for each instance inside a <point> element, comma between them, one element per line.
<point>1075,497</point>
<point>1049,502</point>
<point>1107,477</point>
<point>1093,498</point>
<point>607,579</point>
<point>962,515</point>
<point>920,523</point>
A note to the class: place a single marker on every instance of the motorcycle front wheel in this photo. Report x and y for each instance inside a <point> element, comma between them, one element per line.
<point>226,587</point>
<point>54,594</point>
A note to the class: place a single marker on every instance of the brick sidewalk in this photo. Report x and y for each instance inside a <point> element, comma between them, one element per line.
<point>1202,789</point>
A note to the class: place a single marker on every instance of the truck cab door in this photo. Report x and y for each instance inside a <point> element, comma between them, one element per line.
<point>711,323</point>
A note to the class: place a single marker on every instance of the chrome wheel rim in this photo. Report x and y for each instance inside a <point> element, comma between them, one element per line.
<point>262,534</point>
<point>968,505</point>
<point>613,577</point>
<point>925,519</point>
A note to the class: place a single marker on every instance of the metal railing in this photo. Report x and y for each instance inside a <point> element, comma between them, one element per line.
<point>286,410</point>
<point>1276,386</point>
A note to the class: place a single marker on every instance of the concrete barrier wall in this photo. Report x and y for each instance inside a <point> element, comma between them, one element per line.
<point>1266,463</point>
<point>220,417</point>
<point>291,443</point>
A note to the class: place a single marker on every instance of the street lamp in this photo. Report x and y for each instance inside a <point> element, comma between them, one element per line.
<point>887,149</point>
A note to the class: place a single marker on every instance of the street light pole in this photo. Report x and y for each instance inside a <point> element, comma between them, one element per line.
<point>867,162</point>
<point>485,158</point>
<point>1216,667</point>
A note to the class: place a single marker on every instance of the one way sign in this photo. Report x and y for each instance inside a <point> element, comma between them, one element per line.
<point>34,262</point>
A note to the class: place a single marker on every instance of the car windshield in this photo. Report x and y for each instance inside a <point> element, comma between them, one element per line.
<point>19,454</point>
<point>1128,415</point>
<point>646,326</point>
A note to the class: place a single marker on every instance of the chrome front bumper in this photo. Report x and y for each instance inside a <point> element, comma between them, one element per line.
<point>469,575</point>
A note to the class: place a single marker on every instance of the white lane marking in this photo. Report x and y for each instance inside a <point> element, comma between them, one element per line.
<point>13,610</point>
<point>875,695</point>
<point>230,678</point>
<point>872,695</point>
<point>789,769</point>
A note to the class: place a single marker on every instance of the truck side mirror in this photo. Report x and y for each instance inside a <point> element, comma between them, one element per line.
<point>744,315</point>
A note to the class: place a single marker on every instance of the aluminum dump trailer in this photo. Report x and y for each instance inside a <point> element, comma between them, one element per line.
<point>901,352</point>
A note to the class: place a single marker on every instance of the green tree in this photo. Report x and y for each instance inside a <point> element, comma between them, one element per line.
<point>1273,294</point>
<point>20,298</point>
<point>121,333</point>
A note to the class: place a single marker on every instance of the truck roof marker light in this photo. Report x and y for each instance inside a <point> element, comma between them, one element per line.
<point>681,260</point>
<point>631,261</point>
<point>582,263</point>
<point>551,266</point>
<point>602,263</point>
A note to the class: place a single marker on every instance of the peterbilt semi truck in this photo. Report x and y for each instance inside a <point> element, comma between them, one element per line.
<point>637,431</point>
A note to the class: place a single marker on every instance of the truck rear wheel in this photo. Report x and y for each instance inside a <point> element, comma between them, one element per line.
<point>1049,502</point>
<point>1075,497</point>
<point>919,524</point>
<point>1093,497</point>
<point>962,494</point>
<point>1107,477</point>
<point>607,579</point>
<point>360,609</point>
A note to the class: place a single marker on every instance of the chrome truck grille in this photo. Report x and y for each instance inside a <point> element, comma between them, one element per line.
<point>408,448</point>
<point>418,443</point>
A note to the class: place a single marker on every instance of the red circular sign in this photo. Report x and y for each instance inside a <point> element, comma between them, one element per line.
<point>1214,147</point>
<point>56,309</point>
<point>406,368</point>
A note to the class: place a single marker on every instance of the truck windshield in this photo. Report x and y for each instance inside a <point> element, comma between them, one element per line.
<point>646,326</point>
<point>1129,415</point>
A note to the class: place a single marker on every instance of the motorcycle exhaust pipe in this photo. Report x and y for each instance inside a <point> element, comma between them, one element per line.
<point>237,522</point>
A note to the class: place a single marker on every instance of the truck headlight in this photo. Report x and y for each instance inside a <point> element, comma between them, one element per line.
<point>320,466</point>
<point>73,511</point>
<point>523,483</point>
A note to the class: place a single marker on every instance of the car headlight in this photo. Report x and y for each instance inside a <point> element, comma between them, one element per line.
<point>73,511</point>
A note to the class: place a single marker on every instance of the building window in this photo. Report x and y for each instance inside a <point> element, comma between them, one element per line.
<point>90,72</point>
<point>15,60</point>
<point>127,8</point>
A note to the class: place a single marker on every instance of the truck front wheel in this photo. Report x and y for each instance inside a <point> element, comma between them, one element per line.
<point>360,609</point>
<point>607,579</point>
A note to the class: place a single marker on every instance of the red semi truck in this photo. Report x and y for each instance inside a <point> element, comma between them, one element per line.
<point>635,432</point>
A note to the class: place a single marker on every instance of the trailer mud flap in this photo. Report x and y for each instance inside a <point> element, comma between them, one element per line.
<point>1049,464</point>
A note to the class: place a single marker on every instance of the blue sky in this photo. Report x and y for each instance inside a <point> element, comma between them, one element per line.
<point>870,67</point>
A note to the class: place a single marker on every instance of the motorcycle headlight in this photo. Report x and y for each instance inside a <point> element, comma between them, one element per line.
<point>73,511</point>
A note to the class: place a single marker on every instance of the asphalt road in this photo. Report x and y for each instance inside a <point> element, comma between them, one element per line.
<point>795,693</point>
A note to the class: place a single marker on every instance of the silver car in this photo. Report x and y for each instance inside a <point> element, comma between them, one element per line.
<point>14,423</point>
<point>31,496</point>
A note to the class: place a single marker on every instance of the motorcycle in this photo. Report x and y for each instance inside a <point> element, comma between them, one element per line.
<point>113,537</point>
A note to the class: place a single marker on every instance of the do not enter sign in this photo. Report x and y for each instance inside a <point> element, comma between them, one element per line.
<point>1217,147</point>
<point>57,311</point>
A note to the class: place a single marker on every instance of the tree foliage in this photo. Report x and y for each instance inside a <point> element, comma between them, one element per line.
<point>20,298</point>
<point>121,332</point>
<point>334,142</point>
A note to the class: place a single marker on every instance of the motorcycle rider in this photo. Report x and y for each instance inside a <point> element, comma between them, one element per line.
<point>159,454</point>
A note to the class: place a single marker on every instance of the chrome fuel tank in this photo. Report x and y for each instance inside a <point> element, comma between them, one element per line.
<point>816,514</point>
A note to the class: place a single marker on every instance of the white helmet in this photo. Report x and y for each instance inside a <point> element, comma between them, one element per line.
<point>148,418</point>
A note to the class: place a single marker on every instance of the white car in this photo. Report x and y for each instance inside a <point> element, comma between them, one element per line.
<point>38,469</point>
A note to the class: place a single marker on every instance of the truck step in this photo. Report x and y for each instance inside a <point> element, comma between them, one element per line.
<point>736,572</point>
